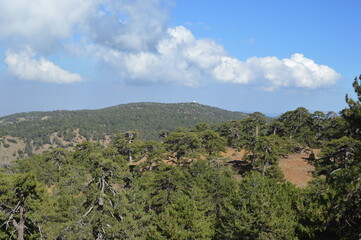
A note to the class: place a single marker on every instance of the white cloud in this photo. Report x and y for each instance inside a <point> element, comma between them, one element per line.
<point>133,39</point>
<point>129,25</point>
<point>178,57</point>
<point>232,70</point>
<point>43,23</point>
<point>271,73</point>
<point>24,66</point>
<point>183,59</point>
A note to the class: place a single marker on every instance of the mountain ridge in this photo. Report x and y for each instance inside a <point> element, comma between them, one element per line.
<point>111,107</point>
<point>43,130</point>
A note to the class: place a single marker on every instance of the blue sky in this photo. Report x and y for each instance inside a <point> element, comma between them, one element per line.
<point>260,55</point>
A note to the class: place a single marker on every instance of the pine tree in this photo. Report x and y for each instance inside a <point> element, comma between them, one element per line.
<point>266,151</point>
<point>264,209</point>
<point>212,142</point>
<point>129,145</point>
<point>184,144</point>
<point>21,206</point>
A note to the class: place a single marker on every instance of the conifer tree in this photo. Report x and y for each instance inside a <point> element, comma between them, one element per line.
<point>129,145</point>
<point>183,143</point>
<point>21,206</point>
<point>212,142</point>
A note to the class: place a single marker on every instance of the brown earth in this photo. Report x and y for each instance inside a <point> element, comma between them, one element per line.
<point>9,150</point>
<point>297,169</point>
<point>233,155</point>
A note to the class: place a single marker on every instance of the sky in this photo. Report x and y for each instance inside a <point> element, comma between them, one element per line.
<point>244,55</point>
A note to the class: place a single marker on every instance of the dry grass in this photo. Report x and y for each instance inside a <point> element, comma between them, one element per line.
<point>297,169</point>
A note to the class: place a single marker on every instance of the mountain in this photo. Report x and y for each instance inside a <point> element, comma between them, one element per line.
<point>24,133</point>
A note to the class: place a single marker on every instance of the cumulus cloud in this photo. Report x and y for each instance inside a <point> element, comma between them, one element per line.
<point>270,72</point>
<point>178,58</point>
<point>43,23</point>
<point>132,38</point>
<point>24,66</point>
<point>129,25</point>
<point>183,59</point>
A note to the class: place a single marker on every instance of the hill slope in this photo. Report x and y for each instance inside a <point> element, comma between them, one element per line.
<point>41,130</point>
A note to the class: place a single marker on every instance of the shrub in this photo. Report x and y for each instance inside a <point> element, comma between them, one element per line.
<point>12,140</point>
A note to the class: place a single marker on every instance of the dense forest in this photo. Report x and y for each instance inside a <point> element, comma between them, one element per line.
<point>39,131</point>
<point>180,188</point>
<point>147,118</point>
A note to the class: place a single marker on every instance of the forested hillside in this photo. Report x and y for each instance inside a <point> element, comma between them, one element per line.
<point>39,131</point>
<point>181,188</point>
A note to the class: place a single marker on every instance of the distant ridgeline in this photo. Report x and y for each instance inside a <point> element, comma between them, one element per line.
<point>25,133</point>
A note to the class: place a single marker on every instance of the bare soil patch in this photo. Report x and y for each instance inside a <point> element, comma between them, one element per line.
<point>297,168</point>
<point>233,155</point>
<point>9,150</point>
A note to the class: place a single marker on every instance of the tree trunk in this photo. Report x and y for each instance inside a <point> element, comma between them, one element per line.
<point>130,158</point>
<point>41,232</point>
<point>257,130</point>
<point>21,225</point>
<point>264,170</point>
<point>265,165</point>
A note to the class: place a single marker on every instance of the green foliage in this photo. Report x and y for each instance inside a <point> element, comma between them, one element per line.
<point>337,154</point>
<point>312,157</point>
<point>183,143</point>
<point>346,211</point>
<point>314,210</point>
<point>296,125</point>
<point>255,125</point>
<point>45,171</point>
<point>153,151</point>
<point>104,212</point>
<point>308,129</point>
<point>341,163</point>
<point>12,140</point>
<point>212,142</point>
<point>353,114</point>
<point>28,149</point>
<point>129,146</point>
<point>232,132</point>
<point>21,206</point>
<point>183,219</point>
<point>263,209</point>
<point>148,118</point>
<point>334,127</point>
<point>265,153</point>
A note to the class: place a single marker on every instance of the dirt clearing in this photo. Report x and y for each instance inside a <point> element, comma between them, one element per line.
<point>297,168</point>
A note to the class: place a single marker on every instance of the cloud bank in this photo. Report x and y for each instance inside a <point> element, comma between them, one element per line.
<point>24,66</point>
<point>43,24</point>
<point>134,40</point>
<point>183,59</point>
<point>271,72</point>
